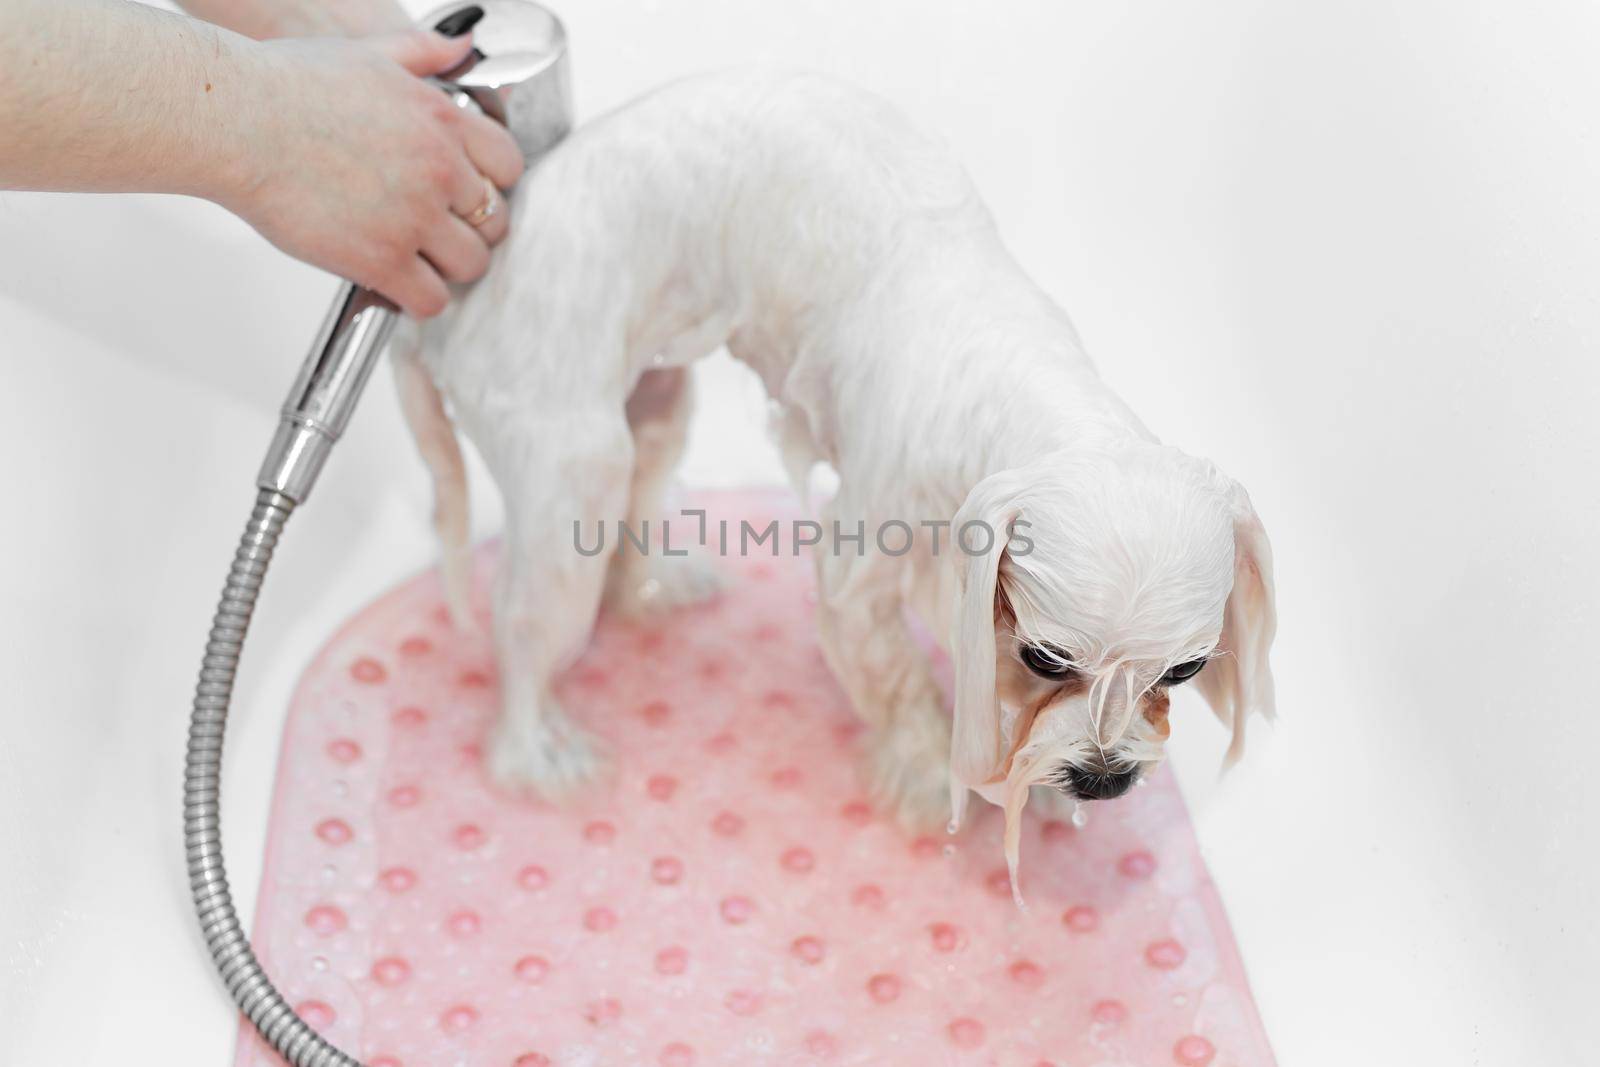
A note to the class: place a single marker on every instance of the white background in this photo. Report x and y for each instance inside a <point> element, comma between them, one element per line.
<point>1348,250</point>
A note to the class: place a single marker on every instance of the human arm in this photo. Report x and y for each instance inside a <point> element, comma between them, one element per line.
<point>263,19</point>
<point>334,150</point>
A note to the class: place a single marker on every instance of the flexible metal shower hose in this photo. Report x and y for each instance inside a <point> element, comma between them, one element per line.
<point>252,990</point>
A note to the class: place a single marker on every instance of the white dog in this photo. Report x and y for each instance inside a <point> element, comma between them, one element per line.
<point>848,260</point>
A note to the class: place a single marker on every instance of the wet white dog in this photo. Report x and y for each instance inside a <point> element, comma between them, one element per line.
<point>848,260</point>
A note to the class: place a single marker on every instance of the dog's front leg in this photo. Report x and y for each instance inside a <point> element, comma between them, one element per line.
<point>862,627</point>
<point>565,479</point>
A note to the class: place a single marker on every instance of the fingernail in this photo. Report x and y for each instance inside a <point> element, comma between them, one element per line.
<point>459,22</point>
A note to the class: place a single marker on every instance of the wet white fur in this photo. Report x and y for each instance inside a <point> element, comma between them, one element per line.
<point>847,259</point>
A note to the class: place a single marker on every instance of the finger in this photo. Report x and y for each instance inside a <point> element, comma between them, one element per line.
<point>479,203</point>
<point>418,289</point>
<point>492,150</point>
<point>423,53</point>
<point>457,251</point>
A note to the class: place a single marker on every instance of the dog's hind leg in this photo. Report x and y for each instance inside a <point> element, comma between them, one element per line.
<point>435,437</point>
<point>564,475</point>
<point>647,582</point>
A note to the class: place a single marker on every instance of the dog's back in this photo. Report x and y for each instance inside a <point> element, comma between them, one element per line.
<point>740,196</point>
<point>801,221</point>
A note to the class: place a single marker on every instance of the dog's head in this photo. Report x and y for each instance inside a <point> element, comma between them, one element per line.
<point>1113,575</point>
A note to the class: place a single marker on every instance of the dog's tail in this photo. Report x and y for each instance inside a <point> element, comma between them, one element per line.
<point>441,452</point>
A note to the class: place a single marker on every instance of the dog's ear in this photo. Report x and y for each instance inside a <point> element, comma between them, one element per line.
<point>1238,681</point>
<point>980,533</point>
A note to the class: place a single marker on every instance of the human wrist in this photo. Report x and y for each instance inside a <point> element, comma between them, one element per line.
<point>236,153</point>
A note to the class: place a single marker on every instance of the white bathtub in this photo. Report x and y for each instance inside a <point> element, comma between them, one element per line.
<point>1351,253</point>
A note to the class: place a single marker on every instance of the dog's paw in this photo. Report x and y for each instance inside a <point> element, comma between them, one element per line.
<point>551,759</point>
<point>659,584</point>
<point>907,767</point>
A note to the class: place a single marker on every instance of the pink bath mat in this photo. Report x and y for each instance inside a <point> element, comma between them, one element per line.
<point>728,897</point>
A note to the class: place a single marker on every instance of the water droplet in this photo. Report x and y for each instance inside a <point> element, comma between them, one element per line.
<point>1080,816</point>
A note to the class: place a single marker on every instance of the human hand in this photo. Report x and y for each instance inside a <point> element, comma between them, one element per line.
<point>346,159</point>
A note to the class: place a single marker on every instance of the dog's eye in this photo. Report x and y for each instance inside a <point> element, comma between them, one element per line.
<point>1182,672</point>
<point>1045,661</point>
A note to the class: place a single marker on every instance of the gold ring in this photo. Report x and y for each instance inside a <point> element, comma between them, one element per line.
<point>486,210</point>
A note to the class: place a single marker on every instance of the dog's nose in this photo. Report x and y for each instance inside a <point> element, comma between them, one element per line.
<point>1100,785</point>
